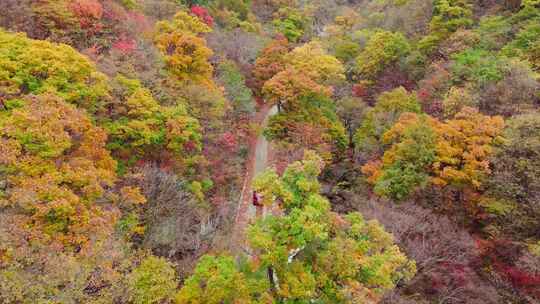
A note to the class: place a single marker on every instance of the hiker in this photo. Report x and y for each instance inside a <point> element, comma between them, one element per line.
<point>256,199</point>
<point>258,204</point>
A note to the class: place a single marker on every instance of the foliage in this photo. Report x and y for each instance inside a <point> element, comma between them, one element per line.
<point>351,110</point>
<point>515,93</point>
<point>526,44</point>
<point>455,99</point>
<point>318,255</point>
<point>382,49</point>
<point>235,86</point>
<point>465,146</point>
<point>217,279</point>
<point>448,17</point>
<point>291,23</point>
<point>185,53</point>
<point>288,86</point>
<point>271,61</point>
<point>140,125</point>
<point>202,13</point>
<point>514,181</point>
<point>312,125</point>
<point>57,19</point>
<point>406,164</point>
<point>517,161</point>
<point>377,120</point>
<point>493,32</point>
<point>57,167</point>
<point>477,65</point>
<point>163,86</point>
<point>32,66</point>
<point>174,219</point>
<point>302,91</point>
<point>33,272</point>
<point>238,7</point>
<point>309,252</point>
<point>454,153</point>
<point>153,281</point>
<point>313,60</point>
<point>345,50</point>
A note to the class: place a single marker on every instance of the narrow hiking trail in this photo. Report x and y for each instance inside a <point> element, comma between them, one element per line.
<point>258,162</point>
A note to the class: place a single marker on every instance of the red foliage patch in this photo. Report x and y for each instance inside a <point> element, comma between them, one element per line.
<point>520,278</point>
<point>202,13</point>
<point>502,254</point>
<point>125,46</point>
<point>359,90</point>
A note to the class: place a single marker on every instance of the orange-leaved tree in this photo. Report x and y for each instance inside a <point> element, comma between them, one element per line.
<point>424,150</point>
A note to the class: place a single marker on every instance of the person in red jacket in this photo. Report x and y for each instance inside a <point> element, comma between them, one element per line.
<point>256,199</point>
<point>257,203</point>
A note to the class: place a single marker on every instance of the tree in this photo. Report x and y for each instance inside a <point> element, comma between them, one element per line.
<point>56,20</point>
<point>406,164</point>
<point>382,49</point>
<point>218,279</point>
<point>308,253</point>
<point>477,65</point>
<point>202,13</point>
<point>175,222</point>
<point>287,87</point>
<point>389,106</point>
<point>271,60</point>
<point>423,150</point>
<point>513,94</point>
<point>455,99</point>
<point>516,161</point>
<point>32,66</point>
<point>526,44</point>
<point>185,53</point>
<point>59,213</point>
<point>313,60</point>
<point>313,254</point>
<point>153,281</point>
<point>448,17</point>
<point>351,110</point>
<point>464,148</point>
<point>312,125</point>
<point>57,167</point>
<point>139,126</point>
<point>514,181</point>
<point>235,86</point>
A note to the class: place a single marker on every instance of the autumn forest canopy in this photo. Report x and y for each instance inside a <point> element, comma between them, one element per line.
<point>270,151</point>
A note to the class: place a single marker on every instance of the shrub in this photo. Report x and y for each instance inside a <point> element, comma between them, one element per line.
<point>515,93</point>
<point>526,45</point>
<point>494,32</point>
<point>516,170</point>
<point>477,65</point>
<point>235,87</point>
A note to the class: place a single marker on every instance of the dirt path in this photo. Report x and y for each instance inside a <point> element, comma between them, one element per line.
<point>258,161</point>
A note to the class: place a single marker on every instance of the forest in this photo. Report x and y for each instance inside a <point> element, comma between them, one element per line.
<point>270,151</point>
